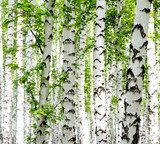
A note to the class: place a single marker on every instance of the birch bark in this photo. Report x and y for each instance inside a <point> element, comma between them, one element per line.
<point>30,40</point>
<point>8,86</point>
<point>99,79</point>
<point>82,117</point>
<point>44,86</point>
<point>110,91</point>
<point>68,96</point>
<point>152,85</point>
<point>20,88</point>
<point>135,74</point>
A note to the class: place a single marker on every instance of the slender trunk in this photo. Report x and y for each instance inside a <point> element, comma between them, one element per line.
<point>20,88</point>
<point>8,86</point>
<point>135,74</point>
<point>69,114</point>
<point>82,116</point>
<point>119,76</point>
<point>152,86</point>
<point>120,114</point>
<point>91,79</point>
<point>29,56</point>
<point>44,86</point>
<point>99,79</point>
<point>92,103</point>
<point>110,91</point>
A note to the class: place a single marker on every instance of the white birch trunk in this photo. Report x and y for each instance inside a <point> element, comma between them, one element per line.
<point>119,77</point>
<point>135,74</point>
<point>144,127</point>
<point>92,103</point>
<point>152,86</point>
<point>82,116</point>
<point>20,88</point>
<point>110,91</point>
<point>99,79</point>
<point>68,96</point>
<point>30,40</point>
<point>42,137</point>
<point>120,114</point>
<point>8,86</point>
<point>92,100</point>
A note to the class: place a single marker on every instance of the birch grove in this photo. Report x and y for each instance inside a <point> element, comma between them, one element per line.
<point>79,71</point>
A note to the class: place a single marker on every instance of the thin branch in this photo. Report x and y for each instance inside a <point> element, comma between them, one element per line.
<point>37,41</point>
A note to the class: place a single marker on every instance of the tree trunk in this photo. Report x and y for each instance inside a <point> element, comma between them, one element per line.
<point>120,114</point>
<point>44,86</point>
<point>20,88</point>
<point>82,116</point>
<point>68,96</point>
<point>30,40</point>
<point>135,74</point>
<point>110,91</point>
<point>8,86</point>
<point>152,86</point>
<point>99,78</point>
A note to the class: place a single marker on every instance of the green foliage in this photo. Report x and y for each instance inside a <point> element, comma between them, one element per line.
<point>48,111</point>
<point>87,86</point>
<point>13,66</point>
<point>117,37</point>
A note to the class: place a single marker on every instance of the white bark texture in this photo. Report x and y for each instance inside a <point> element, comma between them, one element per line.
<point>68,96</point>
<point>119,77</point>
<point>82,116</point>
<point>92,119</point>
<point>120,114</point>
<point>135,74</point>
<point>99,78</point>
<point>152,85</point>
<point>44,86</point>
<point>20,88</point>
<point>8,86</point>
<point>30,40</point>
<point>144,126</point>
<point>92,102</point>
<point>110,91</point>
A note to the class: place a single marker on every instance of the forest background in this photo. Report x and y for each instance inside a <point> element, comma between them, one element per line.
<point>79,71</point>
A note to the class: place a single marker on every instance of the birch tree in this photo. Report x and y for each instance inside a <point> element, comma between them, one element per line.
<point>99,80</point>
<point>152,85</point>
<point>135,73</point>
<point>110,91</point>
<point>20,88</point>
<point>8,86</point>
<point>30,40</point>
<point>119,77</point>
<point>44,86</point>
<point>82,122</point>
<point>68,95</point>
